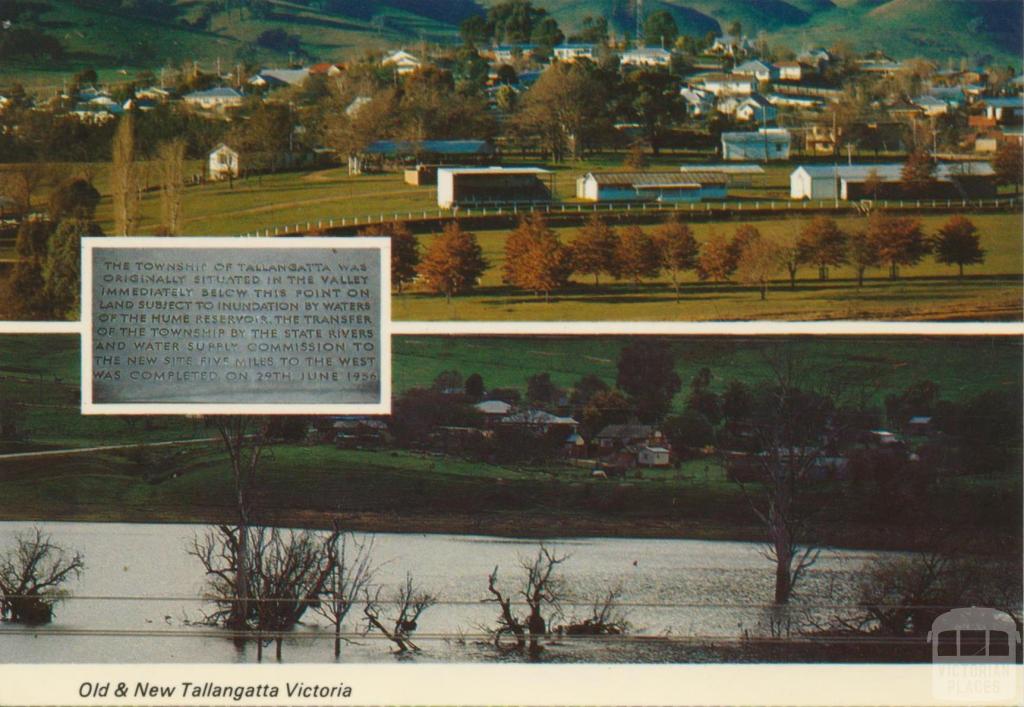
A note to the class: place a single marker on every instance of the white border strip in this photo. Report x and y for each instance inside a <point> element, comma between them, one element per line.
<point>12,327</point>
<point>503,684</point>
<point>716,328</point>
<point>383,407</point>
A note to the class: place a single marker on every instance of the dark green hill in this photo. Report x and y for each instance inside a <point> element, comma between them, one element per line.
<point>60,35</point>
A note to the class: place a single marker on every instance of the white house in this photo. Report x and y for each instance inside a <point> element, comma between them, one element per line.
<point>760,70</point>
<point>572,52</point>
<point>756,146</point>
<point>727,85</point>
<point>218,99</point>
<point>646,56</point>
<point>670,187</point>
<point>931,105</point>
<point>755,107</point>
<point>507,53</point>
<point>402,61</point>
<point>790,71</point>
<point>223,162</point>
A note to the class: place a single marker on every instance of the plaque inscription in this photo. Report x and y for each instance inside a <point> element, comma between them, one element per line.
<point>186,322</point>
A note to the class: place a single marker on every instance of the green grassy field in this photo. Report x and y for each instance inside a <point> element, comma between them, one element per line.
<point>925,291</point>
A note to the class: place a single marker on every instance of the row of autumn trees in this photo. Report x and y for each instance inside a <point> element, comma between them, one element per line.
<point>537,260</point>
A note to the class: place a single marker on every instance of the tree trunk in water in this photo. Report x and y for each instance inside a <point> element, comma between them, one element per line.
<point>782,579</point>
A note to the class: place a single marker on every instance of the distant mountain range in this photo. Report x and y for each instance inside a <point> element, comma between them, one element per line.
<point>65,34</point>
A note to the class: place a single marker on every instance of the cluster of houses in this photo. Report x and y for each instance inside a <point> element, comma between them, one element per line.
<point>614,450</point>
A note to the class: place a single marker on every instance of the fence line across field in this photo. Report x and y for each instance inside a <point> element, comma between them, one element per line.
<point>507,209</point>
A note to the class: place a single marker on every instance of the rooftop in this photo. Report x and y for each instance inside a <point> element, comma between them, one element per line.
<point>658,179</point>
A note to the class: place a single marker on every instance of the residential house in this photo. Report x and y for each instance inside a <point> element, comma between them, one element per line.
<point>646,56</point>
<point>401,61</point>
<point>669,187</point>
<point>494,411</point>
<point>541,421</point>
<point>613,438</point>
<point>756,108</point>
<point>790,71</point>
<point>821,139</point>
<point>572,52</point>
<point>223,163</point>
<point>269,79</point>
<point>883,66</point>
<point>729,45</point>
<point>792,100</point>
<point>1006,110</point>
<point>726,84</point>
<point>818,58</point>
<point>931,105</point>
<point>326,68</point>
<point>508,53</point>
<point>215,99</point>
<point>759,145</point>
<point>153,93</point>
<point>698,102</point>
<point>761,70</point>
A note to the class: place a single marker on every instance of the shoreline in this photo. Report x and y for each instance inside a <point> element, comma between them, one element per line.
<point>511,525</point>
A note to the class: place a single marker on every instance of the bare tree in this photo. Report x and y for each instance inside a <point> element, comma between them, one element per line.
<point>20,183</point>
<point>606,617</point>
<point>542,591</point>
<point>124,178</point>
<point>32,576</point>
<point>399,618</point>
<point>244,439</point>
<point>792,425</point>
<point>351,574</point>
<point>290,570</point>
<point>171,167</point>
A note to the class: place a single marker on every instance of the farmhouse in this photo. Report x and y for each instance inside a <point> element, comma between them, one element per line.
<point>223,163</point>
<point>758,146</point>
<point>954,180</point>
<point>790,70</point>
<point>698,101</point>
<point>652,186</point>
<point>468,186</point>
<point>215,99</point>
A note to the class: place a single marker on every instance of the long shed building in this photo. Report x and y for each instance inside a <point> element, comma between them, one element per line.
<point>680,186</point>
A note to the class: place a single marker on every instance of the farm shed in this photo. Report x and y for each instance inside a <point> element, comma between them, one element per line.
<point>467,186</point>
<point>429,152</point>
<point>758,145</point>
<point>953,180</point>
<point>652,186</point>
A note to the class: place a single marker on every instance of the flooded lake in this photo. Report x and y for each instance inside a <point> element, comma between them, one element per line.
<point>141,592</point>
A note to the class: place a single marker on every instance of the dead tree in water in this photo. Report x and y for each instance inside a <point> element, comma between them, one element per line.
<point>31,577</point>
<point>541,589</point>
<point>244,440</point>
<point>288,573</point>
<point>352,572</point>
<point>409,604</point>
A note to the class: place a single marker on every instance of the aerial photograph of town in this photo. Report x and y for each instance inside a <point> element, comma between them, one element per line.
<point>677,160</point>
<point>531,497</point>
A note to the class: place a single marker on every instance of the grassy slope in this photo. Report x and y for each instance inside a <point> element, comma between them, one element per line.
<point>927,289</point>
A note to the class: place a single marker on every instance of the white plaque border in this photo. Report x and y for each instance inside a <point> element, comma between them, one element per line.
<point>91,244</point>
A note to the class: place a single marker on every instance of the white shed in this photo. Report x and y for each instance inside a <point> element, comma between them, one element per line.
<point>653,456</point>
<point>469,186</point>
